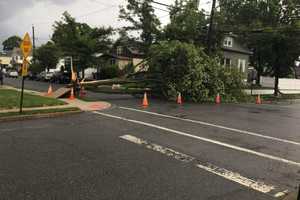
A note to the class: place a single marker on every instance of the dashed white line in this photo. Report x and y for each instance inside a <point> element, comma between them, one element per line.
<point>224,173</point>
<point>215,126</point>
<point>237,148</point>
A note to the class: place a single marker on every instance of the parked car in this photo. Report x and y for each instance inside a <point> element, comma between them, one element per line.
<point>13,74</point>
<point>48,76</point>
<point>61,77</point>
<point>32,75</point>
<point>41,76</point>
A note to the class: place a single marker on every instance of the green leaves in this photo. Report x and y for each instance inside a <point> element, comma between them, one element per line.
<point>46,56</point>
<point>182,67</point>
<point>80,40</point>
<point>11,42</point>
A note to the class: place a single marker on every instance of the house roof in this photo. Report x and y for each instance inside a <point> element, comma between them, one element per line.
<point>237,50</point>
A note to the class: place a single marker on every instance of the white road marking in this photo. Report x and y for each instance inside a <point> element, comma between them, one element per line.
<point>237,148</point>
<point>224,173</point>
<point>236,177</point>
<point>155,147</point>
<point>216,126</point>
<point>281,194</point>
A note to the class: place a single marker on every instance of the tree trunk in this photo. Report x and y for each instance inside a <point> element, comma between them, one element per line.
<point>276,83</point>
<point>82,73</point>
<point>258,78</point>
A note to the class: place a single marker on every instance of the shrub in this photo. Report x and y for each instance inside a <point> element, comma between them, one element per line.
<point>109,71</point>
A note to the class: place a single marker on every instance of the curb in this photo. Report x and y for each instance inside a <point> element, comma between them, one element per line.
<point>38,116</point>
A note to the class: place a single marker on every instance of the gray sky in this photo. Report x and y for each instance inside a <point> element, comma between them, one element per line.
<point>17,16</point>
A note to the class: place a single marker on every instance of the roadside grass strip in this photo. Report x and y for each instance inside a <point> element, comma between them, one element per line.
<point>215,126</point>
<point>224,173</point>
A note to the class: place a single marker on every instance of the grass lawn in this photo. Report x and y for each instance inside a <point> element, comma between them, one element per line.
<point>11,99</point>
<point>35,112</point>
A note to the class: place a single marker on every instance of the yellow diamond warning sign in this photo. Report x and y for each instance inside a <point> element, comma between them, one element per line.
<point>26,45</point>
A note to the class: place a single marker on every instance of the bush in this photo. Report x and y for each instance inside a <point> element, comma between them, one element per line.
<point>109,71</point>
<point>182,67</point>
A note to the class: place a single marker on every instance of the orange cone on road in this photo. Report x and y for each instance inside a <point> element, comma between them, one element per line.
<point>50,91</point>
<point>218,99</point>
<point>179,99</point>
<point>258,99</point>
<point>145,101</point>
<point>72,97</point>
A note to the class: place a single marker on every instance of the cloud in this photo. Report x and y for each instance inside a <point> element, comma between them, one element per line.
<point>11,8</point>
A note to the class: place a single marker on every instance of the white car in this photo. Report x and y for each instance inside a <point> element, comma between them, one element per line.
<point>13,74</point>
<point>48,76</point>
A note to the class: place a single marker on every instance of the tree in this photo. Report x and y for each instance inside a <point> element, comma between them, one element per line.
<point>80,41</point>
<point>183,67</point>
<point>47,56</point>
<point>141,17</point>
<point>187,23</point>
<point>11,42</point>
<point>271,28</point>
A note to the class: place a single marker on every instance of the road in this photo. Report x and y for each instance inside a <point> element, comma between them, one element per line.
<point>162,152</point>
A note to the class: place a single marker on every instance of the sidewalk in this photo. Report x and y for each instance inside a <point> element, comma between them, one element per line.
<point>88,106</point>
<point>37,108</point>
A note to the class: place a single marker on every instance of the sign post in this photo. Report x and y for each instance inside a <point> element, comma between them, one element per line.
<point>26,47</point>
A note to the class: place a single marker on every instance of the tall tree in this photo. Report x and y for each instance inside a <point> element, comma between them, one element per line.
<point>271,28</point>
<point>11,42</point>
<point>141,18</point>
<point>47,56</point>
<point>80,41</point>
<point>187,23</point>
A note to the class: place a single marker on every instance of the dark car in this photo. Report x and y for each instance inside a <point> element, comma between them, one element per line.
<point>61,77</point>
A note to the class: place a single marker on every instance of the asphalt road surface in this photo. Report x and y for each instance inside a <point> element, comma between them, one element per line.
<point>163,152</point>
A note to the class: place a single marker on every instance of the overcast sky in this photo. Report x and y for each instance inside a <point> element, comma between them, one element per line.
<point>17,16</point>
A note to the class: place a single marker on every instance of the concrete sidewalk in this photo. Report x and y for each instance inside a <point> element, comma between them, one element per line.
<point>88,106</point>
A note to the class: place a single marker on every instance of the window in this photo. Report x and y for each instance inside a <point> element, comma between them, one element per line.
<point>226,62</point>
<point>228,41</point>
<point>242,65</point>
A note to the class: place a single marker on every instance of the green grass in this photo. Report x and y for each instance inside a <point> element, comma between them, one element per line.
<point>36,112</point>
<point>11,99</point>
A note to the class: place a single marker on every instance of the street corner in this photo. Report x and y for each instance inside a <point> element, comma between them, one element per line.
<point>88,106</point>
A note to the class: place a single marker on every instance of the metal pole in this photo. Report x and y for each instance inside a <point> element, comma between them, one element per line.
<point>33,44</point>
<point>22,94</point>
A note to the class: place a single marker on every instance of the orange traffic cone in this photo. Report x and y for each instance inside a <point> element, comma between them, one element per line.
<point>50,91</point>
<point>72,97</point>
<point>145,101</point>
<point>179,99</point>
<point>258,99</point>
<point>218,99</point>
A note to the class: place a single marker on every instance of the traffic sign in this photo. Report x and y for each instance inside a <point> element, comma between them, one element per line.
<point>26,45</point>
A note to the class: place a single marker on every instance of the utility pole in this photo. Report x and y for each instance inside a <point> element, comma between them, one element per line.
<point>210,28</point>
<point>33,44</point>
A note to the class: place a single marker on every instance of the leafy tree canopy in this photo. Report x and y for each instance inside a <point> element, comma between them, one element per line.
<point>141,18</point>
<point>11,42</point>
<point>81,41</point>
<point>47,56</point>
